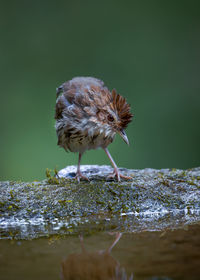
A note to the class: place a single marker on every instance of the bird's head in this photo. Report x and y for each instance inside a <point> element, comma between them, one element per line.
<point>116,113</point>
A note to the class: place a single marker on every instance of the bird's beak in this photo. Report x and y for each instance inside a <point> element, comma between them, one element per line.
<point>124,136</point>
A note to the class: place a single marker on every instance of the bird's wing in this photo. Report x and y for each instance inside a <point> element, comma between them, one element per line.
<point>86,94</point>
<point>79,84</point>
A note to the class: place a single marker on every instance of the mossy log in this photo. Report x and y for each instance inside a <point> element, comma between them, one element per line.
<point>151,200</point>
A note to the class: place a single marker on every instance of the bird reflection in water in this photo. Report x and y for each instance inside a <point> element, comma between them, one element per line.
<point>93,265</point>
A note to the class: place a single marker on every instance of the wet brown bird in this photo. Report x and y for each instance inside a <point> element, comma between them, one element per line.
<point>88,116</point>
<point>98,265</point>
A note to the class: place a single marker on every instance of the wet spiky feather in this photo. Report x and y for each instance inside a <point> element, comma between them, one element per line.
<point>88,116</point>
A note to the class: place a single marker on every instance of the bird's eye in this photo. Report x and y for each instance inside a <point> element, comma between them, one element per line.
<point>110,118</point>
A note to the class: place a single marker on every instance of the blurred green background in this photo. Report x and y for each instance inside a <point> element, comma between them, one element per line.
<point>148,50</point>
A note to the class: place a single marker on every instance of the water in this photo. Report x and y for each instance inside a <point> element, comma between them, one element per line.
<point>166,254</point>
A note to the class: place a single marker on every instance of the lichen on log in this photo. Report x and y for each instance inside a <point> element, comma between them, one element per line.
<point>152,199</point>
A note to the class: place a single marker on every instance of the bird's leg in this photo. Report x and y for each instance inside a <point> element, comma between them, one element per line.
<point>116,170</point>
<point>82,243</point>
<point>117,238</point>
<point>78,173</point>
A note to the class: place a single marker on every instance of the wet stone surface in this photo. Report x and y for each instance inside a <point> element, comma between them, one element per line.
<point>152,200</point>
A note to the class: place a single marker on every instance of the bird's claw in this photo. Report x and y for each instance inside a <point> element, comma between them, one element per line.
<point>118,175</point>
<point>79,176</point>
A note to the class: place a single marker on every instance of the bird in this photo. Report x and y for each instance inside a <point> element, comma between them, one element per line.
<point>88,116</point>
<point>93,264</point>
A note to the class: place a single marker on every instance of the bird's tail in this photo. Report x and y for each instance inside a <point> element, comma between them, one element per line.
<point>59,90</point>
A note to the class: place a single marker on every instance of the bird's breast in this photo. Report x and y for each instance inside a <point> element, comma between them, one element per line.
<point>85,136</point>
<point>87,140</point>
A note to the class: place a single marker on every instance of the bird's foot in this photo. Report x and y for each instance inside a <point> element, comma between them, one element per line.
<point>118,175</point>
<point>79,176</point>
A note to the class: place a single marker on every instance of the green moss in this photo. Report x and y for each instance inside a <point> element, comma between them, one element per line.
<point>100,202</point>
<point>55,180</point>
<point>165,182</point>
<point>191,183</point>
<point>18,182</point>
<point>11,194</point>
<point>64,202</point>
<point>52,179</point>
